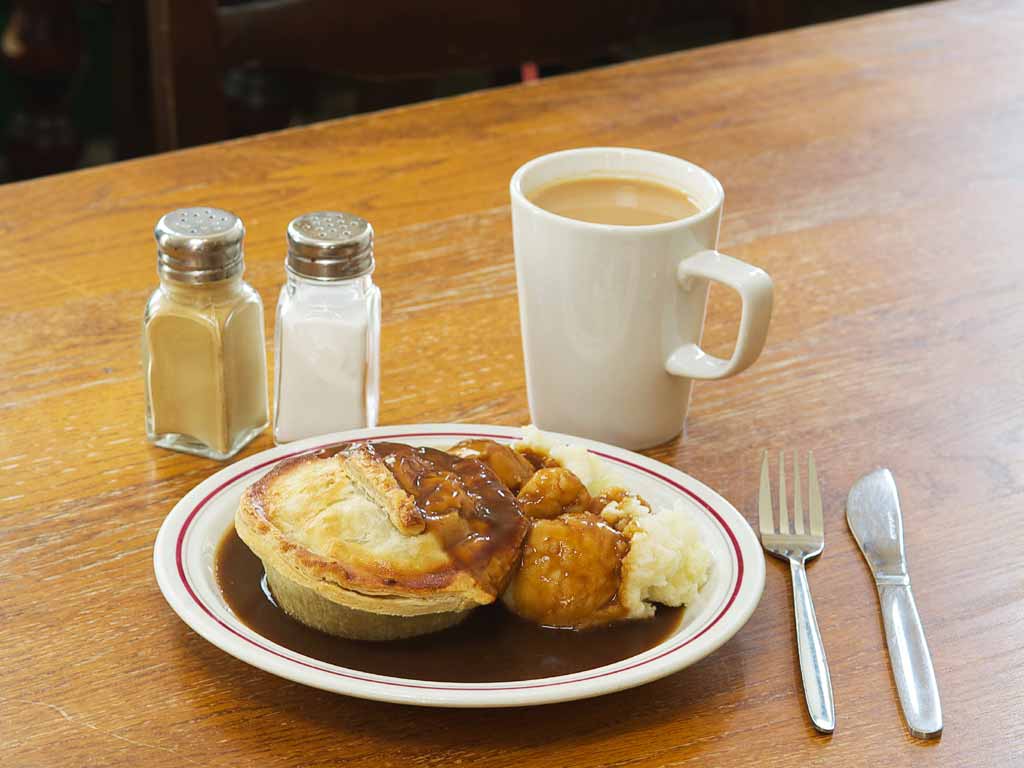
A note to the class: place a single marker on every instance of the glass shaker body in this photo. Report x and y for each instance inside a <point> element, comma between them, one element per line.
<point>326,352</point>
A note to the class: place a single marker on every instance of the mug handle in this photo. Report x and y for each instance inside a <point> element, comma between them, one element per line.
<point>755,289</point>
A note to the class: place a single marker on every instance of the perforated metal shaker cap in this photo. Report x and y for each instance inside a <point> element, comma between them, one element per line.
<point>199,245</point>
<point>326,245</point>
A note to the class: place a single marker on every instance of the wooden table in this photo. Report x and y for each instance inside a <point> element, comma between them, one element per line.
<point>874,167</point>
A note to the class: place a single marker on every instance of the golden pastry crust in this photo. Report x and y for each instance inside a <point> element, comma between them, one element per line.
<point>374,479</point>
<point>312,523</point>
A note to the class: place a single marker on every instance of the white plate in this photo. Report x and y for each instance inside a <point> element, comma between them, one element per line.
<point>183,558</point>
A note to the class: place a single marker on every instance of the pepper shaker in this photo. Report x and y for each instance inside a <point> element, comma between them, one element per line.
<point>203,349</point>
<point>327,333</point>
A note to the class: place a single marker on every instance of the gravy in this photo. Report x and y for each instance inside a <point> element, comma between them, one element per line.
<point>492,645</point>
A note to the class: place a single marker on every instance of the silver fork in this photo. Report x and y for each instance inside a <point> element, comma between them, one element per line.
<point>799,542</point>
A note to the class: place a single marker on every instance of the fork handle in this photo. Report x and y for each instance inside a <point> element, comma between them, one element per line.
<point>813,664</point>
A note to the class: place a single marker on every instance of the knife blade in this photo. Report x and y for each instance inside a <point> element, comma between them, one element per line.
<point>874,516</point>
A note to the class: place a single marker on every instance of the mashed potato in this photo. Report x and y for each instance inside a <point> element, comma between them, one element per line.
<point>667,562</point>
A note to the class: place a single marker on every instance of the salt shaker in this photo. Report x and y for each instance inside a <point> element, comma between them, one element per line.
<point>327,334</point>
<point>204,355</point>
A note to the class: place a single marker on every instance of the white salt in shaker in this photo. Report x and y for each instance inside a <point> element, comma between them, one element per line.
<point>327,335</point>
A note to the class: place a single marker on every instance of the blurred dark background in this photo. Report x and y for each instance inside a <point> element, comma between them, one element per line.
<point>85,82</point>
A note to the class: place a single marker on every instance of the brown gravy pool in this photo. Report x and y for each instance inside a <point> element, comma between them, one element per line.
<point>492,645</point>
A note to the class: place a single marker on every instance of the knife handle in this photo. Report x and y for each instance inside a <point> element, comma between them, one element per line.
<point>813,664</point>
<point>911,661</point>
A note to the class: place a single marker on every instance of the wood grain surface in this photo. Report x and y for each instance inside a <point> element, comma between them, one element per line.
<point>874,167</point>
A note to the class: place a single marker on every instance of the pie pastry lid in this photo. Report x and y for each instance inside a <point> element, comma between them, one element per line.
<point>336,525</point>
<point>346,584</point>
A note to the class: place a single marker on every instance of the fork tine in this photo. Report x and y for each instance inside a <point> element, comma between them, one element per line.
<point>783,511</point>
<point>798,503</point>
<point>814,492</point>
<point>764,501</point>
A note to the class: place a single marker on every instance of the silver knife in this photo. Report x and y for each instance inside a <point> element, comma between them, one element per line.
<point>873,514</point>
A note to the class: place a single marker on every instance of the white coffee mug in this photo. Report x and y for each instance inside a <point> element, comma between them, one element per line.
<point>612,315</point>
